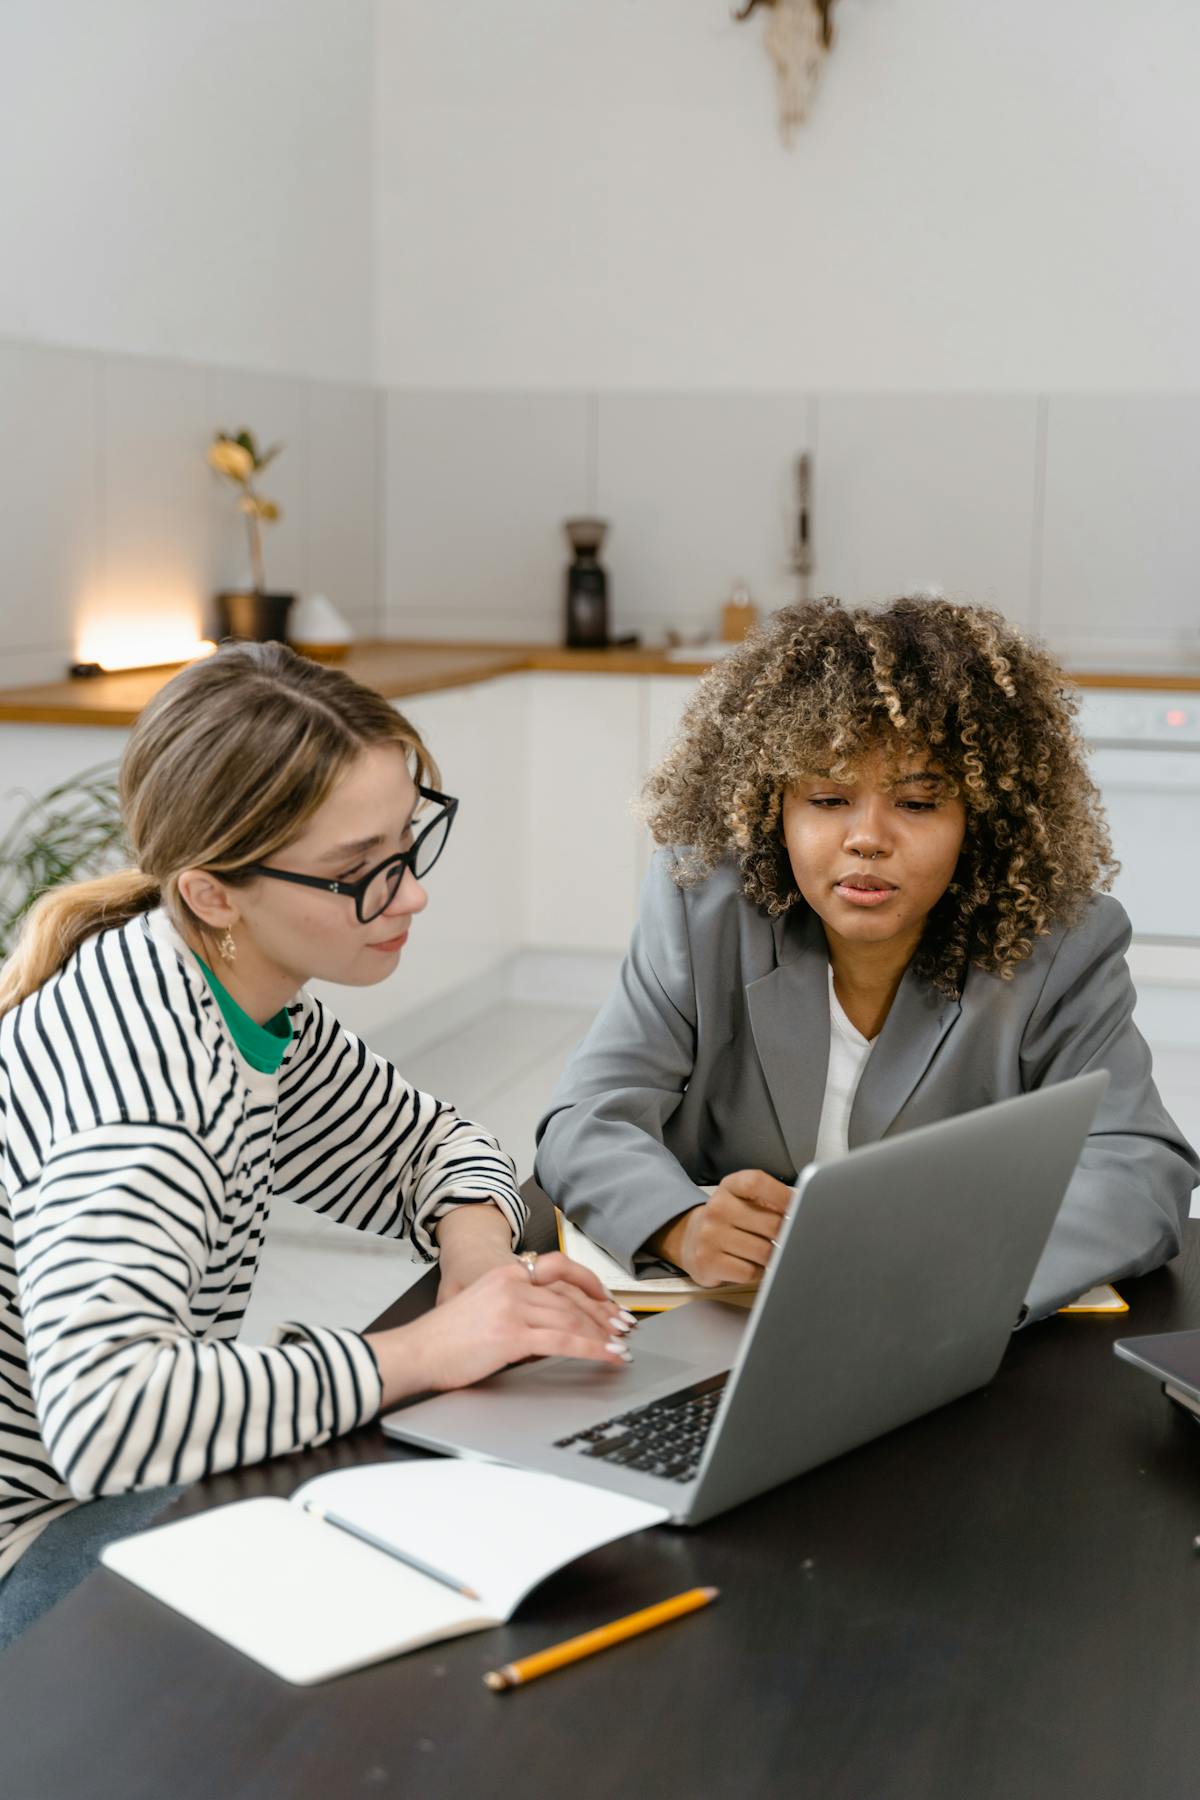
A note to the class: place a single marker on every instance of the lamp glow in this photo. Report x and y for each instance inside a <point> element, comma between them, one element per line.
<point>113,645</point>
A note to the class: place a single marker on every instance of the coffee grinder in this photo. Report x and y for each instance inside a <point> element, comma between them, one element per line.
<point>587,586</point>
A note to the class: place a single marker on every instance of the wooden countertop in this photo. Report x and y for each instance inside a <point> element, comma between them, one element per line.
<point>397,670</point>
<point>400,670</point>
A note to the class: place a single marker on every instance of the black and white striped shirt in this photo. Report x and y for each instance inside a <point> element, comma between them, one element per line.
<point>138,1155</point>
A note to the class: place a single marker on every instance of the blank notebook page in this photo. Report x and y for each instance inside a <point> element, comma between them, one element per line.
<point>497,1529</point>
<point>304,1600</point>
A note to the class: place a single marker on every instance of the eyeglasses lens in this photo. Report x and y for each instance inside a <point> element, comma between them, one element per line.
<point>382,890</point>
<point>430,848</point>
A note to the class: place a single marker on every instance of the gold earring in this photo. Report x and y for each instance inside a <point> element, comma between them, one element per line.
<point>226,945</point>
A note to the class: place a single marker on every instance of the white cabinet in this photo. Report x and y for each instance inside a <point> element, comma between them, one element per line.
<point>34,758</point>
<point>666,697</point>
<point>587,738</point>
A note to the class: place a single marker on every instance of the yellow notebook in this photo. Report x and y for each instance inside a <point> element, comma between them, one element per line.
<point>1103,1299</point>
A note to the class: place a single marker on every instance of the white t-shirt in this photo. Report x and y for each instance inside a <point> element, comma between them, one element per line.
<point>848,1053</point>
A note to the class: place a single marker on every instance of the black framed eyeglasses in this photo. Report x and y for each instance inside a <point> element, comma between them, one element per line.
<point>374,892</point>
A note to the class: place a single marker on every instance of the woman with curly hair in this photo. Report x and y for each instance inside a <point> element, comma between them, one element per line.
<point>880,909</point>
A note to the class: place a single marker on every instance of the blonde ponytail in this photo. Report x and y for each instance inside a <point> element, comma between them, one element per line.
<point>56,925</point>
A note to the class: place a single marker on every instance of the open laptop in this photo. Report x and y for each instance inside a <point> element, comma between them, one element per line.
<point>900,1274</point>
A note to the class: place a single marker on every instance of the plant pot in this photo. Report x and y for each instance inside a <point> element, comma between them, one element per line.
<point>260,618</point>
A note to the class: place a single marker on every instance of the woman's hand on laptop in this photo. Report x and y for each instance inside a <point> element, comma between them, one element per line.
<point>507,1316</point>
<point>731,1235</point>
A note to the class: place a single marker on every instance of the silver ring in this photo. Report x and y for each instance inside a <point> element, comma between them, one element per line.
<point>529,1258</point>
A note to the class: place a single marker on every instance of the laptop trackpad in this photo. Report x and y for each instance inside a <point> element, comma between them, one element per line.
<point>566,1375</point>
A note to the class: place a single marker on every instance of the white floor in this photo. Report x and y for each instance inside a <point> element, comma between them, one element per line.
<point>500,1070</point>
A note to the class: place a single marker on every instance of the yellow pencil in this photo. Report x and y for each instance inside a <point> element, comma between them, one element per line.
<point>530,1667</point>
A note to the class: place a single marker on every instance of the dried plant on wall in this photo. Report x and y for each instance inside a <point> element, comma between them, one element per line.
<point>798,36</point>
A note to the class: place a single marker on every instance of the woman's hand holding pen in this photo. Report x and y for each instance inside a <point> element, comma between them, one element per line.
<point>731,1235</point>
<point>511,1313</point>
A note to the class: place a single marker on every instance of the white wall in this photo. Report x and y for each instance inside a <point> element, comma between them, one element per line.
<point>185,222</point>
<point>593,195</point>
<point>1074,514</point>
<point>109,515</point>
<point>189,181</point>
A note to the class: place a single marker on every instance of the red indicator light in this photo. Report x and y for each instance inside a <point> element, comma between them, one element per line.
<point>1176,716</point>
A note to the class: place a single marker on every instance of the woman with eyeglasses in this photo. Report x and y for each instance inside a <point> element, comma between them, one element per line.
<point>163,1072</point>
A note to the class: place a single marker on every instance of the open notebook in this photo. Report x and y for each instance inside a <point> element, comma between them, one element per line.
<point>307,1600</point>
<point>652,1291</point>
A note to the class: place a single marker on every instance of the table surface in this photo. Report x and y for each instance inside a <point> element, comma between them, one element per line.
<point>999,1599</point>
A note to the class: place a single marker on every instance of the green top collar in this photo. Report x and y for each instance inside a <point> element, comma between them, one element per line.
<point>263,1046</point>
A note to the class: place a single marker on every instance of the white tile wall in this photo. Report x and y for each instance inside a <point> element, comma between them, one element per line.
<point>1057,510</point>
<point>439,514</point>
<point>168,527</point>
<point>50,510</point>
<point>1122,538</point>
<point>344,445</point>
<point>476,489</point>
<point>108,510</point>
<point>701,490</point>
<point>927,490</point>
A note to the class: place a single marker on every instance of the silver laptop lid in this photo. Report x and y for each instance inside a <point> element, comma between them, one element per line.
<point>900,1275</point>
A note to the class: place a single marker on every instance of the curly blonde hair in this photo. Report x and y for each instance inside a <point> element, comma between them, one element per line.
<point>823,685</point>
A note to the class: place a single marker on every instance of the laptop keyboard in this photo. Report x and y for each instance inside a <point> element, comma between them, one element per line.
<point>665,1437</point>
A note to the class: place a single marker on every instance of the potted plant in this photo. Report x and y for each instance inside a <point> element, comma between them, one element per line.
<point>69,834</point>
<point>255,614</point>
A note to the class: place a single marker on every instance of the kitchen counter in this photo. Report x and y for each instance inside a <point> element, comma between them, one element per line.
<point>400,670</point>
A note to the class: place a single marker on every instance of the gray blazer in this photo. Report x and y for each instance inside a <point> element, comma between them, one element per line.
<point>711,1053</point>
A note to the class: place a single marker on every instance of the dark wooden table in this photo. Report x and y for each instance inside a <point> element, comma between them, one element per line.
<point>999,1600</point>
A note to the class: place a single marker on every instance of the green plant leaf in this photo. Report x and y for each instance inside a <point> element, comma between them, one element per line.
<point>70,833</point>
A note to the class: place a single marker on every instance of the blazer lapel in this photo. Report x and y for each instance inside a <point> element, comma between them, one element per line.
<point>919,1020</point>
<point>789,1016</point>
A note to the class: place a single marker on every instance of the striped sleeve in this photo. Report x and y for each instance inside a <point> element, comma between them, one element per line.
<point>111,1249</point>
<point>357,1143</point>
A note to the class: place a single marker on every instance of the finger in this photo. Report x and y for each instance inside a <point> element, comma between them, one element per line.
<point>605,1312</point>
<point>759,1189</point>
<point>731,1213</point>
<point>725,1268</point>
<point>556,1267</point>
<point>546,1308</point>
<point>744,1246</point>
<point>541,1341</point>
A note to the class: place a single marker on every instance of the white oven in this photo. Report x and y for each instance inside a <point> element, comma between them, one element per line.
<point>1145,759</point>
<point>1145,753</point>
